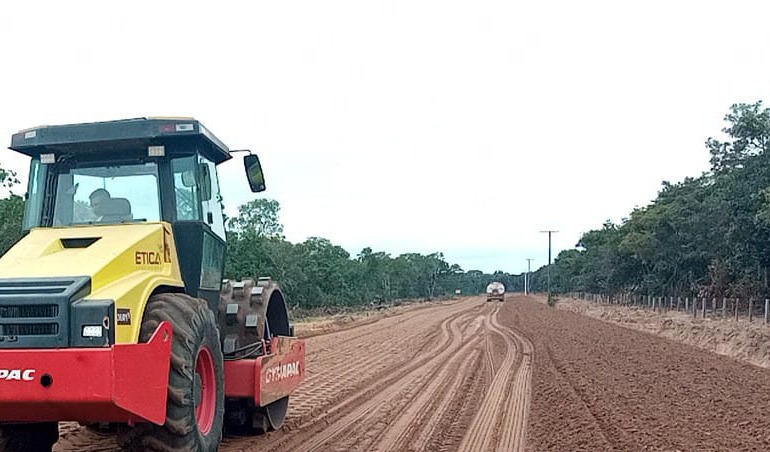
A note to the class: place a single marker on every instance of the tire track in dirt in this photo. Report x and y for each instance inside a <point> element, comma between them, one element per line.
<point>514,432</point>
<point>320,390</point>
<point>479,434</point>
<point>404,346</point>
<point>489,360</point>
<point>375,358</point>
<point>401,411</point>
<point>324,341</point>
<point>350,414</point>
<point>503,414</point>
<point>331,380</point>
<point>441,387</point>
<point>436,418</point>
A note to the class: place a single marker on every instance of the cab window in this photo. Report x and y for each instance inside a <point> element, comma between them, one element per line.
<point>186,189</point>
<point>117,193</point>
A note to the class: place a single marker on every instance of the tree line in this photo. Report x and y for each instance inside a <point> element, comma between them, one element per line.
<point>315,272</point>
<point>704,236</point>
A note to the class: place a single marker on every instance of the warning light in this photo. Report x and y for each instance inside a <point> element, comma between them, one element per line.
<point>156,151</point>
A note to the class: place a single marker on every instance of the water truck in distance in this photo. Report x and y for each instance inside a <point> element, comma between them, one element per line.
<point>495,291</point>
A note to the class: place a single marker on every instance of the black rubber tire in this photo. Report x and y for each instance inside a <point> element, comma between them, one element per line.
<point>194,328</point>
<point>39,437</point>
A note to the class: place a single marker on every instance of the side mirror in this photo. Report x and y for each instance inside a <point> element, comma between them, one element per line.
<point>254,173</point>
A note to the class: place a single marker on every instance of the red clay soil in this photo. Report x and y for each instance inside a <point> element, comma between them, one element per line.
<point>447,377</point>
<point>476,376</point>
<point>597,386</point>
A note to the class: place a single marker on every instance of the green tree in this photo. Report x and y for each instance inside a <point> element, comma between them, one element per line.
<point>258,218</point>
<point>11,211</point>
<point>374,275</point>
<point>705,236</point>
<point>748,130</point>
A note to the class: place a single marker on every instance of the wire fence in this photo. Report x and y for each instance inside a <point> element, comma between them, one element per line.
<point>704,308</point>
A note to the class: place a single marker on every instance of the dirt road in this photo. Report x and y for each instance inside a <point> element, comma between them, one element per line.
<point>448,376</point>
<point>411,382</point>
<point>471,375</point>
<point>599,387</point>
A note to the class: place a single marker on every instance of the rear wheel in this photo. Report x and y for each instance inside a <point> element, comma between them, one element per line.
<point>244,418</point>
<point>195,406</point>
<point>265,299</point>
<point>39,437</point>
<point>276,412</point>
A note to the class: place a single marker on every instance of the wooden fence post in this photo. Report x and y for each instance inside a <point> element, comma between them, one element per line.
<point>678,303</point>
<point>703,311</point>
<point>724,307</point>
<point>686,304</point>
<point>695,307</point>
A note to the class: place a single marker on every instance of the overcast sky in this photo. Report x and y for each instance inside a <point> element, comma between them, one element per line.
<point>409,126</point>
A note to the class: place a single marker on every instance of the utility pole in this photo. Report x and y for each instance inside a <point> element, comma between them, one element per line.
<point>526,277</point>
<point>549,262</point>
<point>525,282</point>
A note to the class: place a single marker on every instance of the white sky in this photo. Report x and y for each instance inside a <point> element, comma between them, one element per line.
<point>409,126</point>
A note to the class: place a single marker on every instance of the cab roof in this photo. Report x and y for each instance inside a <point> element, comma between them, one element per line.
<point>120,134</point>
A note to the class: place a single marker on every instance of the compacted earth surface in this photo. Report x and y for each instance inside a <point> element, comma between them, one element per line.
<point>745,340</point>
<point>470,375</point>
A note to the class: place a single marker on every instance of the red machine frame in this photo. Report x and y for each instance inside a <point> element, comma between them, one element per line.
<point>128,382</point>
